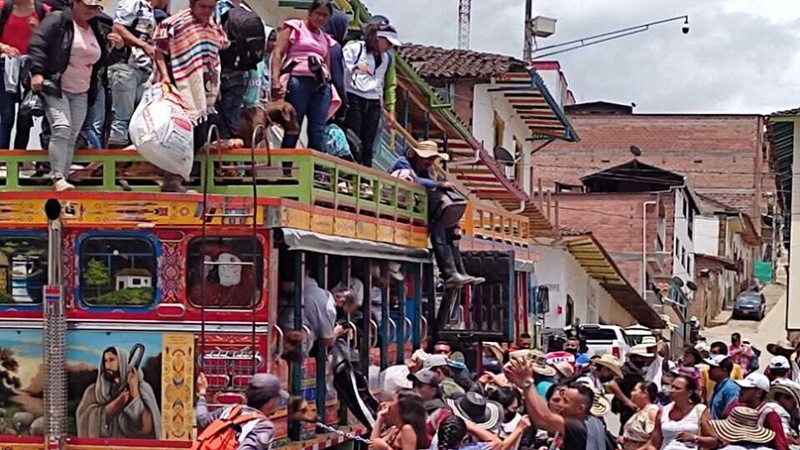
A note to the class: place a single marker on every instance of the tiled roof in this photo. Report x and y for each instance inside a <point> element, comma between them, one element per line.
<point>788,112</point>
<point>436,62</point>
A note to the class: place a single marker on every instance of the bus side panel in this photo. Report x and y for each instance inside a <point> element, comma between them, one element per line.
<point>21,389</point>
<point>154,370</point>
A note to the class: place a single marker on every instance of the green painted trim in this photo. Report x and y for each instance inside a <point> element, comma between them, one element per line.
<point>313,180</point>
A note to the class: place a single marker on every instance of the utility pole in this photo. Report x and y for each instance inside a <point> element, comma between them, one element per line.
<point>527,52</point>
<point>464,18</point>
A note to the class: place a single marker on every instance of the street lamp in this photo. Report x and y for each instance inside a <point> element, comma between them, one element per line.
<point>545,25</point>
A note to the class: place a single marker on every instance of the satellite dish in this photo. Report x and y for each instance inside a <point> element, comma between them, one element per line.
<point>691,285</point>
<point>636,151</point>
<point>504,157</point>
<point>677,282</point>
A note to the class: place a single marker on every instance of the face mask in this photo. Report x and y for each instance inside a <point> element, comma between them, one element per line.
<point>640,364</point>
<point>574,351</point>
<point>606,378</point>
<point>509,416</point>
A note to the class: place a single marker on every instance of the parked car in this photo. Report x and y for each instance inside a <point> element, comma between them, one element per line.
<point>604,339</point>
<point>636,334</point>
<point>750,304</point>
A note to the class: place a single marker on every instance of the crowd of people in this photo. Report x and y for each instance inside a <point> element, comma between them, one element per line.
<point>713,396</point>
<point>86,71</point>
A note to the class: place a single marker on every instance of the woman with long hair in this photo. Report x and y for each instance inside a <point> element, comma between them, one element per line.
<point>405,417</point>
<point>370,84</point>
<point>639,427</point>
<point>683,424</point>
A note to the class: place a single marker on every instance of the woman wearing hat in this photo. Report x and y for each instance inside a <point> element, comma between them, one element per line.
<point>371,84</point>
<point>416,167</point>
<point>784,399</point>
<point>741,431</point>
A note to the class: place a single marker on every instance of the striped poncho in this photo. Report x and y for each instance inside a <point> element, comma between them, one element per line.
<point>193,49</point>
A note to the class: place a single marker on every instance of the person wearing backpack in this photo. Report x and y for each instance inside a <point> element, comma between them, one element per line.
<point>135,21</point>
<point>239,427</point>
<point>367,64</point>
<point>18,20</point>
<point>248,39</point>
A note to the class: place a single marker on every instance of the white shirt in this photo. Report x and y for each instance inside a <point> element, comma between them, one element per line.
<point>361,83</point>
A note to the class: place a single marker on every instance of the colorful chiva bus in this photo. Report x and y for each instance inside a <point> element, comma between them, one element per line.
<point>112,302</point>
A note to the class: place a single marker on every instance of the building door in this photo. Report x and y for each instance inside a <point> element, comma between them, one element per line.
<point>570,312</point>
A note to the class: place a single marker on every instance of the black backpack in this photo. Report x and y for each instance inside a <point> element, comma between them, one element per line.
<point>248,38</point>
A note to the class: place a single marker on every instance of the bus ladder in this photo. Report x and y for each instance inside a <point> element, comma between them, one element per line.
<point>209,214</point>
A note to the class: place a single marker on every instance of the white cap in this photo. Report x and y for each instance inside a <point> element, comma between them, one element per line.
<point>755,381</point>
<point>715,360</point>
<point>779,362</point>
<point>701,347</point>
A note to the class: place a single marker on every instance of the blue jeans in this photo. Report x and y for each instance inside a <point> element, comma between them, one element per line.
<point>94,125</point>
<point>127,86</point>
<point>309,100</point>
<point>232,87</point>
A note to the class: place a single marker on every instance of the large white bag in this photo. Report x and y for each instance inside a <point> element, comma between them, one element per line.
<point>162,132</point>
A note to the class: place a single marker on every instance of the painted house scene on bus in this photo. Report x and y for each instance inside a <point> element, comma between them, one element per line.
<point>23,269</point>
<point>118,270</point>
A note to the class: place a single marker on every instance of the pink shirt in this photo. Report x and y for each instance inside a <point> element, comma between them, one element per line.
<point>303,42</point>
<point>84,54</point>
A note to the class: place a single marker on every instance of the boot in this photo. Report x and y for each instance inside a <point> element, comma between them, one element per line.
<point>447,266</point>
<point>173,183</point>
<point>459,263</point>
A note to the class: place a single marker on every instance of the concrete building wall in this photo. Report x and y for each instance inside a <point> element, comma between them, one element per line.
<point>706,229</point>
<point>683,256</point>
<point>566,279</point>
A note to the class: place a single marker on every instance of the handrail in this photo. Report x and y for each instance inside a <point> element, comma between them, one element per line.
<point>305,175</point>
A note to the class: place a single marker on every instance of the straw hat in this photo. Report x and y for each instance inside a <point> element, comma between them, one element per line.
<point>611,362</point>
<point>742,426</point>
<point>565,369</point>
<point>474,406</point>
<point>428,149</point>
<point>642,350</point>
<point>784,348</point>
<point>496,350</point>
<point>785,387</point>
<point>600,404</point>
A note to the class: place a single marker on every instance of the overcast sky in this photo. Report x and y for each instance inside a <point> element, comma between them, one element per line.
<point>740,56</point>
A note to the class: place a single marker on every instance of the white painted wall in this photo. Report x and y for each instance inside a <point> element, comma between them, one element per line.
<point>706,235</point>
<point>681,236</point>
<point>793,308</point>
<point>562,274</point>
<point>484,105</point>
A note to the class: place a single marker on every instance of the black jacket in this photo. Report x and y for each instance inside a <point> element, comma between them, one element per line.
<point>51,45</point>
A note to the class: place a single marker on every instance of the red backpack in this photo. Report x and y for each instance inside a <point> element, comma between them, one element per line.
<point>221,433</point>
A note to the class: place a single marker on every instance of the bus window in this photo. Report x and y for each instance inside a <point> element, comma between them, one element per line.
<point>118,271</point>
<point>23,269</point>
<point>221,285</point>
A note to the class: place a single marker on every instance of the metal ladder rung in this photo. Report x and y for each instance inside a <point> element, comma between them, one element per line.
<point>217,263</point>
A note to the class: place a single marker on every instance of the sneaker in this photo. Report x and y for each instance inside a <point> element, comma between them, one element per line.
<point>62,185</point>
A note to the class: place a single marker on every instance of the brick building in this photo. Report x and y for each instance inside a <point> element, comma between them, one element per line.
<point>723,157</point>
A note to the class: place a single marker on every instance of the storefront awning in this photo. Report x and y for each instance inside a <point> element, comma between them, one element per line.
<point>333,245</point>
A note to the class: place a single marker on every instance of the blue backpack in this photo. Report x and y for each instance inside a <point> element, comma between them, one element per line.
<point>335,143</point>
